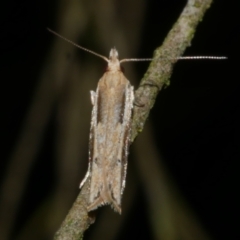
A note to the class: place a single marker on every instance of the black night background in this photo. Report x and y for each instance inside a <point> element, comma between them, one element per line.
<point>193,129</point>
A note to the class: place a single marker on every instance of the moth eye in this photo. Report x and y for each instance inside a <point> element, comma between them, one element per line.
<point>122,69</point>
<point>119,161</point>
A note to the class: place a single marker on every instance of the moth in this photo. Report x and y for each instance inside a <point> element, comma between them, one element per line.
<point>110,131</point>
<point>109,136</point>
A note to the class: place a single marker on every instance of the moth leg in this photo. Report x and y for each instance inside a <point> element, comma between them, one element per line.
<point>93,97</point>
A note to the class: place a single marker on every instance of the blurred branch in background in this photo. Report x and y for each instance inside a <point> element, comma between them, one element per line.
<point>63,85</point>
<point>56,74</point>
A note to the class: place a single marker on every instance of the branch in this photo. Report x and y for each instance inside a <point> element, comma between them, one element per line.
<point>157,75</point>
<point>160,69</point>
<point>78,219</point>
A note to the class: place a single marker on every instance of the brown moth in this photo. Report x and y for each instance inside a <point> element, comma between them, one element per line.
<point>110,131</point>
<point>109,136</point>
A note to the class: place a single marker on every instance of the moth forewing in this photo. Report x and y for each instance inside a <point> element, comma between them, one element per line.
<point>129,98</point>
<point>93,96</point>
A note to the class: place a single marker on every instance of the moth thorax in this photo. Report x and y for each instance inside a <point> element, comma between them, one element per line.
<point>113,63</point>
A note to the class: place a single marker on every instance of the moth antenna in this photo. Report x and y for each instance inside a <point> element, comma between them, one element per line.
<point>177,58</point>
<point>78,46</point>
<point>200,57</point>
<point>136,60</point>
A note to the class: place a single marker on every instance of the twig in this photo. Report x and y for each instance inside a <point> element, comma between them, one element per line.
<point>160,69</point>
<point>78,219</point>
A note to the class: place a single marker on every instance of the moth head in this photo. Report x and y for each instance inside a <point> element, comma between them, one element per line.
<point>113,63</point>
<point>113,54</point>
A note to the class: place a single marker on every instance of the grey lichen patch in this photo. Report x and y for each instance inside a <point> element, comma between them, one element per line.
<point>167,83</point>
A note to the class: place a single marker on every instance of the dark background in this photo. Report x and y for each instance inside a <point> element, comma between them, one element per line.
<point>195,120</point>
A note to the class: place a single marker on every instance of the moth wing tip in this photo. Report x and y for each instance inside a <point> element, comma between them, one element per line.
<point>95,204</point>
<point>100,202</point>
